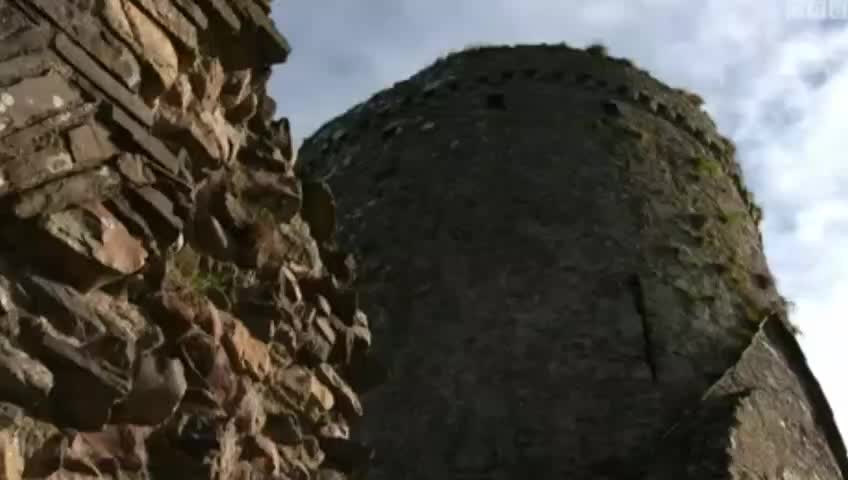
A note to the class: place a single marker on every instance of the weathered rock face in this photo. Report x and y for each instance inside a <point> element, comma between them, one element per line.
<point>170,306</point>
<point>565,275</point>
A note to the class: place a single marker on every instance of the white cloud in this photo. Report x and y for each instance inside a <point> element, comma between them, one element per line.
<point>777,87</point>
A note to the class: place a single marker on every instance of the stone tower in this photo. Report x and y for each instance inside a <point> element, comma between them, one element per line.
<point>565,278</point>
<point>165,310</point>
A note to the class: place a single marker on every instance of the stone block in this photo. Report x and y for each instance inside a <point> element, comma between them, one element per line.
<point>149,143</point>
<point>25,102</point>
<point>145,37</point>
<point>95,40</point>
<point>223,12</point>
<point>246,352</point>
<point>75,371</point>
<point>79,189</point>
<point>12,20</point>
<point>11,460</point>
<point>90,69</point>
<point>347,400</point>
<point>276,47</point>
<point>167,15</point>
<point>91,144</point>
<point>23,379</point>
<point>29,65</point>
<point>90,247</point>
<point>157,389</point>
<point>193,11</point>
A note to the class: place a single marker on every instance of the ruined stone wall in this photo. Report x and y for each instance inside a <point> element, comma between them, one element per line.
<point>171,305</point>
<point>565,277</point>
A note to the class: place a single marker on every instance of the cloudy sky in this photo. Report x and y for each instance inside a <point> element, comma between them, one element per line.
<point>772,73</point>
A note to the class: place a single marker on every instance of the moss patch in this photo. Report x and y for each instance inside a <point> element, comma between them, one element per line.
<point>707,167</point>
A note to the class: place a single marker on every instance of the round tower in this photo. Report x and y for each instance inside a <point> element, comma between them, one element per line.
<point>565,278</point>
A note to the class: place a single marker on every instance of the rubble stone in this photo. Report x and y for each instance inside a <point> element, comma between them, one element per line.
<point>150,307</point>
<point>23,379</point>
<point>148,41</point>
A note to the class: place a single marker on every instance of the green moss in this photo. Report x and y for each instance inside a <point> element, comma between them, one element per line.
<point>735,217</point>
<point>205,281</point>
<point>190,272</point>
<point>707,167</point>
<point>740,282</point>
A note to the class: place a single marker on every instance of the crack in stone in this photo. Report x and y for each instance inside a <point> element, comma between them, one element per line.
<point>638,293</point>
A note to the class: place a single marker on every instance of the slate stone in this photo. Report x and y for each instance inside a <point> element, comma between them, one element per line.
<point>94,205</point>
<point>146,39</point>
<point>73,190</point>
<point>74,371</point>
<point>80,60</point>
<point>31,65</point>
<point>30,437</point>
<point>135,223</point>
<point>247,353</point>
<point>206,133</point>
<point>31,138</point>
<point>91,144</point>
<point>198,435</point>
<point>277,47</point>
<point>23,379</point>
<point>193,12</point>
<point>167,15</point>
<point>25,102</point>
<point>95,247</point>
<point>259,317</point>
<point>346,399</point>
<point>159,213</point>
<point>284,428</point>
<point>69,314</point>
<point>244,111</point>
<point>314,347</point>
<point>11,460</point>
<point>207,81</point>
<point>123,446</point>
<point>133,167</point>
<point>208,367</point>
<point>12,20</point>
<point>98,42</point>
<point>25,41</point>
<point>223,12</point>
<point>236,88</point>
<point>152,145</point>
<point>158,387</point>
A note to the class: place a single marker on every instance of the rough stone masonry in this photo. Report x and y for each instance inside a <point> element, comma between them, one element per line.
<point>565,277</point>
<point>171,303</point>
